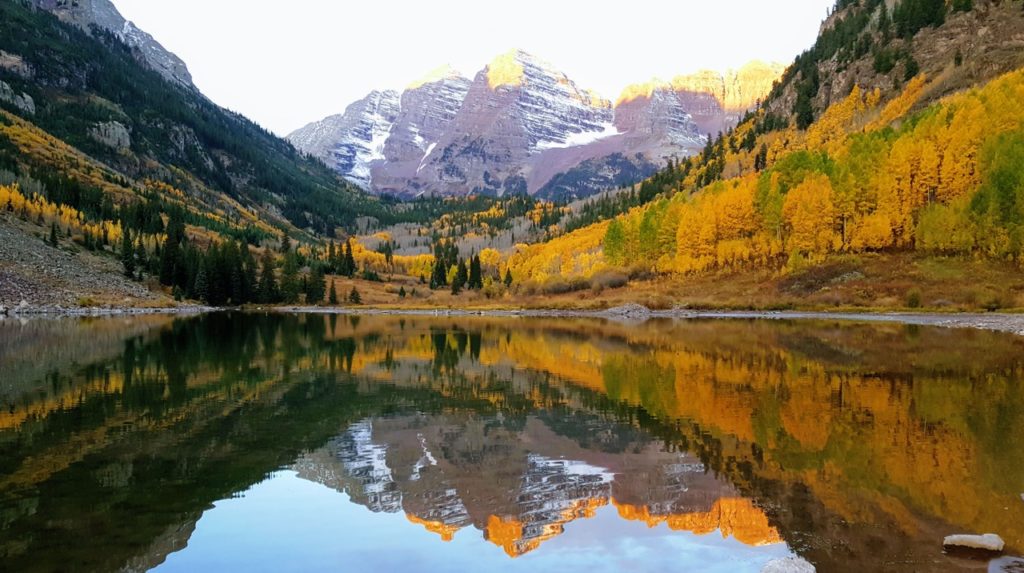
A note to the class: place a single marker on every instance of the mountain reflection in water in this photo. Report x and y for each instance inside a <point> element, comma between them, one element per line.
<point>557,444</point>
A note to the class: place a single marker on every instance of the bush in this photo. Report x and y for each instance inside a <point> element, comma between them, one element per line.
<point>914,299</point>
<point>556,285</point>
<point>608,279</point>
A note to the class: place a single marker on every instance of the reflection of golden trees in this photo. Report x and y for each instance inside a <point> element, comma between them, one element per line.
<point>732,517</point>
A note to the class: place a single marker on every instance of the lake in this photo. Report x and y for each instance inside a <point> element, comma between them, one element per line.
<point>276,442</point>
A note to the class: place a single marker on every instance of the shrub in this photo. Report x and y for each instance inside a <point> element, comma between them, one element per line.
<point>609,279</point>
<point>914,299</point>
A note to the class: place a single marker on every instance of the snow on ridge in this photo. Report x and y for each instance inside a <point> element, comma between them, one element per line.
<point>582,138</point>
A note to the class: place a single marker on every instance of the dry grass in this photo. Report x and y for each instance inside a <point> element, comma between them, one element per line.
<point>862,282</point>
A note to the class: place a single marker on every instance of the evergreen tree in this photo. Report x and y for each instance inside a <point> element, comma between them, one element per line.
<point>439,277</point>
<point>127,254</point>
<point>286,244</point>
<point>316,285</point>
<point>476,281</point>
<point>350,261</point>
<point>202,285</point>
<point>508,277</point>
<point>353,296</point>
<point>250,284</point>
<point>461,277</point>
<point>333,296</point>
<point>290,286</point>
<point>268,283</point>
<point>54,242</point>
<point>401,292</point>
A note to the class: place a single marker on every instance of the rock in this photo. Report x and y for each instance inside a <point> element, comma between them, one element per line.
<point>112,134</point>
<point>629,310</point>
<point>23,102</point>
<point>788,565</point>
<point>987,542</point>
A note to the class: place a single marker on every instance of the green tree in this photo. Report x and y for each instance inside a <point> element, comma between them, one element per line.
<point>354,297</point>
<point>202,285</point>
<point>615,244</point>
<point>127,254</point>
<point>316,285</point>
<point>54,242</point>
<point>333,296</point>
<point>290,286</point>
<point>476,280</point>
<point>508,277</point>
<point>268,283</point>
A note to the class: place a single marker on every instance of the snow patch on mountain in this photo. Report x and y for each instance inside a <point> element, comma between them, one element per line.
<point>582,138</point>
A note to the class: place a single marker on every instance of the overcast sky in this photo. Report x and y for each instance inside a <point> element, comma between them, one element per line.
<point>286,63</point>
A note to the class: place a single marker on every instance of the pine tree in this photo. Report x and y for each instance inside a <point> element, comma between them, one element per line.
<point>127,254</point>
<point>476,281</point>
<point>401,292</point>
<point>202,286</point>
<point>354,298</point>
<point>333,300</point>
<point>349,262</point>
<point>53,235</point>
<point>268,284</point>
<point>316,285</point>
<point>508,277</point>
<point>290,286</point>
<point>461,277</point>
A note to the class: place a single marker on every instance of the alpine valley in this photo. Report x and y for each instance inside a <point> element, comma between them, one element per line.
<point>522,126</point>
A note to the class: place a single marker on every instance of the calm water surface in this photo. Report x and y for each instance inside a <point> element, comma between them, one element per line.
<point>248,442</point>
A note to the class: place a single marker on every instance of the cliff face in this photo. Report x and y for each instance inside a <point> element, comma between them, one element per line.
<point>103,14</point>
<point>718,100</point>
<point>522,126</point>
<point>967,49</point>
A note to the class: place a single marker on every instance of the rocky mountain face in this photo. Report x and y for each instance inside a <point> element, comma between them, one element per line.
<point>522,126</point>
<point>857,46</point>
<point>352,141</point>
<point>718,101</point>
<point>103,14</point>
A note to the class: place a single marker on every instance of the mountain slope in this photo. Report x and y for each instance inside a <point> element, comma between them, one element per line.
<point>523,126</point>
<point>91,91</point>
<point>102,13</point>
<point>906,166</point>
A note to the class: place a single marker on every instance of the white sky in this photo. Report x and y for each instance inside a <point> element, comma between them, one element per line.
<point>286,63</point>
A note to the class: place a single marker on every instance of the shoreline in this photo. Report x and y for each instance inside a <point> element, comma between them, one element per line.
<point>999,322</point>
<point>81,312</point>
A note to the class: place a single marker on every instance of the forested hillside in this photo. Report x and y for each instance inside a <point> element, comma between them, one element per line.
<point>88,91</point>
<point>895,166</point>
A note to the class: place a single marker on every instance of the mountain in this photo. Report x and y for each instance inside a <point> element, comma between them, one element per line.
<point>109,96</point>
<point>523,126</point>
<point>103,14</point>
<point>364,128</point>
<point>885,160</point>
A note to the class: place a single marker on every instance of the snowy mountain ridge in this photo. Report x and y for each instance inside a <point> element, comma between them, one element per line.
<point>519,125</point>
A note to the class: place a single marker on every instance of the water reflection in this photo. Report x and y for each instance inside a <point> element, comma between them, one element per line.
<point>856,447</point>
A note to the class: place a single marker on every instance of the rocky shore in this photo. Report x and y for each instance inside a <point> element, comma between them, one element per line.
<point>1010,323</point>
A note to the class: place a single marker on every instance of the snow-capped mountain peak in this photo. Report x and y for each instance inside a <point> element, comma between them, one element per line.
<point>520,124</point>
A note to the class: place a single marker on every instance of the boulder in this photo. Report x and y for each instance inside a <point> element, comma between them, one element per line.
<point>112,134</point>
<point>23,102</point>
<point>989,542</point>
